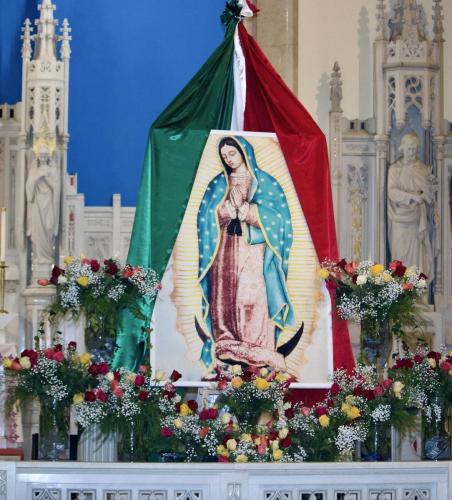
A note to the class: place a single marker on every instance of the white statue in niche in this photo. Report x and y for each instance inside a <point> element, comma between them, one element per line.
<point>43,189</point>
<point>411,198</point>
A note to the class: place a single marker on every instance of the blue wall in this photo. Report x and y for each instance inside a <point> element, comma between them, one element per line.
<point>129,60</point>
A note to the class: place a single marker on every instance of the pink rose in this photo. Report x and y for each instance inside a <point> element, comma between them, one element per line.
<point>222,384</point>
<point>49,352</point>
<point>139,380</point>
<point>118,392</point>
<point>378,391</point>
<point>305,410</point>
<point>43,282</point>
<point>58,356</point>
<point>387,383</point>
<point>408,287</point>
<point>446,366</point>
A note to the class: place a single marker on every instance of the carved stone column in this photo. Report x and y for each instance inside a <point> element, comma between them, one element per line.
<point>276,30</point>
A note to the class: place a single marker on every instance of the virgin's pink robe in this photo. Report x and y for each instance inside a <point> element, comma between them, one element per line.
<point>242,329</point>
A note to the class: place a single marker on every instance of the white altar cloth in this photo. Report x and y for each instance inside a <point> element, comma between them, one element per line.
<point>212,481</point>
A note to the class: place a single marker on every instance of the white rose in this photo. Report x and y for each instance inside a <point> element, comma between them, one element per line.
<point>160,375</point>
<point>236,369</point>
<point>109,376</point>
<point>283,433</point>
<point>275,445</point>
<point>422,283</point>
<point>226,418</point>
<point>397,387</point>
<point>231,444</point>
<point>263,372</point>
<point>61,279</point>
<point>361,279</point>
<point>177,398</point>
<point>432,362</point>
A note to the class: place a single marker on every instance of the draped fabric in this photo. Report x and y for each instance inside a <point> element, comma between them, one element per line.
<point>175,145</point>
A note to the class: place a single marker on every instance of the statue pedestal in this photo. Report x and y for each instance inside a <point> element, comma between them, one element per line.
<point>37,299</point>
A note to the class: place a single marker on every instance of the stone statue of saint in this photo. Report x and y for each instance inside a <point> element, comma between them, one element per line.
<point>43,188</point>
<point>411,198</point>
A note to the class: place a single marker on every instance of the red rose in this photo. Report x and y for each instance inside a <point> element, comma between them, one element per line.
<point>166,432</point>
<point>58,356</point>
<point>434,355</point>
<point>103,368</point>
<point>423,276</point>
<point>273,436</point>
<point>72,346</point>
<point>203,432</point>
<point>358,391</point>
<point>111,267</point>
<point>342,263</point>
<point>394,264</point>
<point>143,395</point>
<point>177,407</point>
<point>175,376</point>
<point>222,458</point>
<point>92,370</point>
<point>139,380</point>
<point>400,270</point>
<point>193,405</point>
<point>335,389</point>
<point>58,347</point>
<point>378,391</point>
<point>321,410</point>
<point>289,413</point>
<point>445,366</point>
<point>169,394</point>
<point>117,376</point>
<point>56,271</point>
<point>331,285</point>
<point>204,414</point>
<point>418,359</point>
<point>226,438</point>
<point>48,353</point>
<point>95,266</point>
<point>222,384</point>
<point>369,394</point>
<point>101,396</point>
<point>90,396</point>
<point>32,355</point>
<point>408,287</point>
<point>387,383</point>
<point>286,442</point>
<point>213,413</point>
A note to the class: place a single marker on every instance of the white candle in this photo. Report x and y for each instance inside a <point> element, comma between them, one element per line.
<point>2,234</point>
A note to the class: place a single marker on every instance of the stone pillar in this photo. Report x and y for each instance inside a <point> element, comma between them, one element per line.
<point>37,299</point>
<point>276,30</point>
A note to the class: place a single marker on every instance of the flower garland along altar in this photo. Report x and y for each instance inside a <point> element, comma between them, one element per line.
<point>256,417</point>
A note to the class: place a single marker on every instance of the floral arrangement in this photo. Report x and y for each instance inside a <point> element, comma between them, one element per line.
<point>383,300</point>
<point>99,290</point>
<point>53,375</point>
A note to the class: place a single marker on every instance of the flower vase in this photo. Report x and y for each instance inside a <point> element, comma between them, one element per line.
<point>377,446</point>
<point>94,446</point>
<point>128,443</point>
<point>436,433</point>
<point>376,342</point>
<point>99,341</point>
<point>53,431</point>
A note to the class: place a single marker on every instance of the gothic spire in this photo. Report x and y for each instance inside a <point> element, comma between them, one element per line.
<point>26,37</point>
<point>336,88</point>
<point>65,39</point>
<point>438,28</point>
<point>46,38</point>
<point>381,20</point>
<point>407,22</point>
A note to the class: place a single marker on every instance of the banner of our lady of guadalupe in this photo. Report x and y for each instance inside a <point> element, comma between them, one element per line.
<point>242,284</point>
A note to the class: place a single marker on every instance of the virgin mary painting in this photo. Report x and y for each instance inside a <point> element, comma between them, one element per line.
<point>245,237</point>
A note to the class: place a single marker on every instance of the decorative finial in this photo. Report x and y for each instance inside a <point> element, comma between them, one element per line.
<point>27,37</point>
<point>336,88</point>
<point>438,27</point>
<point>45,37</point>
<point>382,18</point>
<point>65,39</point>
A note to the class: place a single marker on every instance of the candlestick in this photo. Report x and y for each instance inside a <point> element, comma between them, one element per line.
<point>3,267</point>
<point>2,234</point>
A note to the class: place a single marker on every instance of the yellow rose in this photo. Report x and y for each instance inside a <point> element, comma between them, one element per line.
<point>236,369</point>
<point>323,273</point>
<point>178,423</point>
<point>261,384</point>
<point>283,433</point>
<point>241,459</point>
<point>450,353</point>
<point>263,372</point>
<point>277,455</point>
<point>159,375</point>
<point>353,413</point>
<point>7,362</point>
<point>231,444</point>
<point>280,377</point>
<point>257,441</point>
<point>246,438</point>
<point>223,451</point>
<point>387,277</point>
<point>130,378</point>
<point>25,362</point>
<point>184,409</point>
<point>376,270</point>
<point>237,382</point>
<point>345,408</point>
<point>85,358</point>
<point>83,281</point>
<point>68,260</point>
<point>78,398</point>
<point>324,420</point>
<point>275,444</point>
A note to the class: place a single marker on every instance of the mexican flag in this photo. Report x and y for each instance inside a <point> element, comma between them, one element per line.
<point>236,89</point>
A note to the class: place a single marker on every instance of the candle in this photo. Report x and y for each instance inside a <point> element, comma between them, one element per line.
<point>2,234</point>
